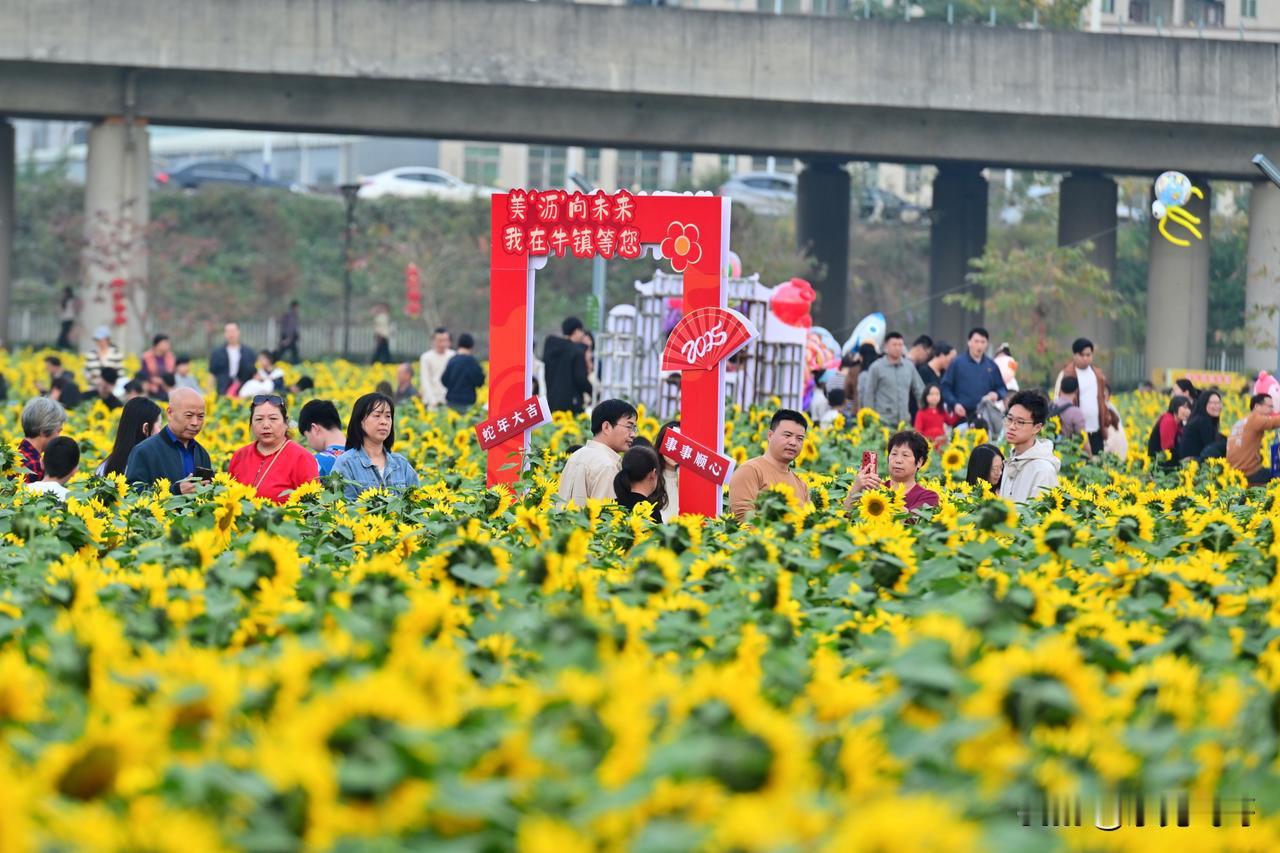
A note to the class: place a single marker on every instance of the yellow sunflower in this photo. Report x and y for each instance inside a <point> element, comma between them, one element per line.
<point>953,460</point>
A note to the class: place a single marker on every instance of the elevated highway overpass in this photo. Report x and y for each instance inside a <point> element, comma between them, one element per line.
<point>825,90</point>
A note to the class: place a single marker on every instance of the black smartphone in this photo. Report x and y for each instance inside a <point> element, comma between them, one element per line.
<point>204,473</point>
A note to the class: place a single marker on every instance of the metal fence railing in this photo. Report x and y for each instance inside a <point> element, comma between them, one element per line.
<point>315,341</point>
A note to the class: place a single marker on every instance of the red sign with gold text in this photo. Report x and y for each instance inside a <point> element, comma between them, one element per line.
<point>693,457</point>
<point>526,226</point>
<point>502,428</point>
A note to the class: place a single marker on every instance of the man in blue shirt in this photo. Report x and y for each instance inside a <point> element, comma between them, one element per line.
<point>321,426</point>
<point>173,453</point>
<point>972,378</point>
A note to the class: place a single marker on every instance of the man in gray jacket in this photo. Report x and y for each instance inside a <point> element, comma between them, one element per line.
<point>1031,468</point>
<point>892,382</point>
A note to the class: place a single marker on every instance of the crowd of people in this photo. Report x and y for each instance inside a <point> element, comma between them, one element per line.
<point>924,393</point>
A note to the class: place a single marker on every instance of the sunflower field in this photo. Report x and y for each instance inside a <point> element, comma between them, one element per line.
<point>463,669</point>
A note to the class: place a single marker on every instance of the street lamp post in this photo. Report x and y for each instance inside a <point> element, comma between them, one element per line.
<point>349,195</point>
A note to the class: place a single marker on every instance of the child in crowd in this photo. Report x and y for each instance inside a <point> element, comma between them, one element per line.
<point>61,462</point>
<point>933,419</point>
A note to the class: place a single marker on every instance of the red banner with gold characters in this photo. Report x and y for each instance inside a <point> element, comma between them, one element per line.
<point>504,427</point>
<point>696,459</point>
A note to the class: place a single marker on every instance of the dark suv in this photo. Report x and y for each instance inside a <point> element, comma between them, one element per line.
<point>194,175</point>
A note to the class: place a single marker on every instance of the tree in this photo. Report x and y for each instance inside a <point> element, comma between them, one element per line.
<point>1034,296</point>
<point>1056,14</point>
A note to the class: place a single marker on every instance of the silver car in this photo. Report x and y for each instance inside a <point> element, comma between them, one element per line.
<point>765,193</point>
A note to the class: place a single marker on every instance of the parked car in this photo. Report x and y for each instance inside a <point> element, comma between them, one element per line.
<point>883,206</point>
<point>195,174</point>
<point>766,193</point>
<point>417,181</point>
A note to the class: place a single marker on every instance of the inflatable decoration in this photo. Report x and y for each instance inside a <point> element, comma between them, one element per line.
<point>822,352</point>
<point>791,301</point>
<point>1173,190</point>
<point>1269,385</point>
<point>870,329</point>
<point>733,268</point>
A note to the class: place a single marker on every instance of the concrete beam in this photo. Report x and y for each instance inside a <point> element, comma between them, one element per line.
<point>666,52</point>
<point>809,86</point>
<point>552,116</point>
<point>1178,291</point>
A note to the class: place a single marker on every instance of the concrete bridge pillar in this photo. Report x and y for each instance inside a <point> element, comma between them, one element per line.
<point>1262,284</point>
<point>8,206</point>
<point>958,233</point>
<point>823,199</point>
<point>1178,291</point>
<point>1087,211</point>
<point>117,211</point>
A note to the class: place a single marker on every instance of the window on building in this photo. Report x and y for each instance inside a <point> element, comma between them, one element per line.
<point>547,166</point>
<point>911,181</point>
<point>1140,11</point>
<point>480,164</point>
<point>1108,7</point>
<point>684,170</point>
<point>639,170</point>
<point>591,166</point>
<point>1248,8</point>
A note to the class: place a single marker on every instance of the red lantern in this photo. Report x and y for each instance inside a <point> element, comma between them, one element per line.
<point>118,301</point>
<point>412,291</point>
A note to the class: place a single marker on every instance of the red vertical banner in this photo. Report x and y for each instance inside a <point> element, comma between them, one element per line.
<point>510,342</point>
<point>702,391</point>
<point>693,235</point>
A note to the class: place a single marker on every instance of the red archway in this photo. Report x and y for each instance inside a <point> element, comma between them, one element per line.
<point>692,232</point>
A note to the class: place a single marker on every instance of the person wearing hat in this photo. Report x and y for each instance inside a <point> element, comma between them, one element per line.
<point>1008,367</point>
<point>103,354</point>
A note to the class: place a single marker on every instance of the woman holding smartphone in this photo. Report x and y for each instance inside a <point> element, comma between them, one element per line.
<point>272,464</point>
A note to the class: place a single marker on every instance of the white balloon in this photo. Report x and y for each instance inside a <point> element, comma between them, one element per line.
<point>1158,209</point>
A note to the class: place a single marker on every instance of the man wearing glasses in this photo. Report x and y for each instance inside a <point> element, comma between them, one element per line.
<point>590,470</point>
<point>1032,468</point>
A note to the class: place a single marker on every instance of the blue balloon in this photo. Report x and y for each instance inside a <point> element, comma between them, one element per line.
<point>1173,189</point>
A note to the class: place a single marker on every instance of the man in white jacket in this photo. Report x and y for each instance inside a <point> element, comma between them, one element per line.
<point>431,368</point>
<point>1032,467</point>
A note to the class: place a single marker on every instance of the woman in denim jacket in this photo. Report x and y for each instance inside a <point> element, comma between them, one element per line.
<point>368,462</point>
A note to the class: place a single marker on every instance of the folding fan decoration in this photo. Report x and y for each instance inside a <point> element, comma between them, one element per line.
<point>706,337</point>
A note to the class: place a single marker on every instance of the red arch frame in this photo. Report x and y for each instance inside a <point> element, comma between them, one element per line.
<point>511,284</point>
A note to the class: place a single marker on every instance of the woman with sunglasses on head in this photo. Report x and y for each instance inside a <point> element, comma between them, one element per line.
<point>272,464</point>
<point>368,462</point>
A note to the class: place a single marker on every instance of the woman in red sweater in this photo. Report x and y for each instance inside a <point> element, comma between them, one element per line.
<point>932,419</point>
<point>273,464</point>
<point>1167,430</point>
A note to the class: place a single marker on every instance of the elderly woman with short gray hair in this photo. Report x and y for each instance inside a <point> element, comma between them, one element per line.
<point>42,421</point>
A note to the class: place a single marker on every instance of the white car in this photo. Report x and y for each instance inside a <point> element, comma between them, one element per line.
<point>416,181</point>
